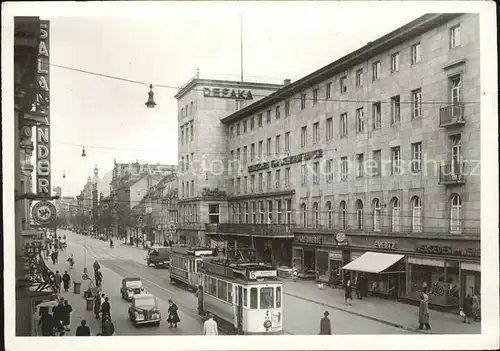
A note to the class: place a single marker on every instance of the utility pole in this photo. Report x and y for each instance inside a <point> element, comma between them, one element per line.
<point>241,46</point>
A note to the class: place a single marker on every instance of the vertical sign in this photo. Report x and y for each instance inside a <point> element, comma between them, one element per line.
<point>41,106</point>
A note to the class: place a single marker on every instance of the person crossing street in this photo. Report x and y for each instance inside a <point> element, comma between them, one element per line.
<point>66,279</point>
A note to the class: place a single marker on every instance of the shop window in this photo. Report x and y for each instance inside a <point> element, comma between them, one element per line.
<point>322,264</point>
<point>245,297</point>
<point>377,215</point>
<point>253,298</point>
<point>416,218</point>
<point>266,298</point>
<point>316,215</point>
<point>455,221</point>
<point>278,296</point>
<point>303,211</point>
<point>395,215</point>
<point>343,214</point>
<point>359,214</point>
<point>329,210</point>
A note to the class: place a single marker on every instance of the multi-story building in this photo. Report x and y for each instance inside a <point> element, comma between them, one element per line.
<point>376,152</point>
<point>203,148</point>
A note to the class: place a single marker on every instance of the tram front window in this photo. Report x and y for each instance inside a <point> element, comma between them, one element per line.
<point>253,298</point>
<point>266,298</point>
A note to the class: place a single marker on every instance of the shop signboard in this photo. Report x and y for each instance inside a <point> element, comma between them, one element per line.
<point>309,239</point>
<point>449,250</point>
<point>385,245</point>
<point>335,255</point>
<point>226,93</point>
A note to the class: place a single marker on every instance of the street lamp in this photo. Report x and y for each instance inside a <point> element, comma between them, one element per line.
<point>151,102</point>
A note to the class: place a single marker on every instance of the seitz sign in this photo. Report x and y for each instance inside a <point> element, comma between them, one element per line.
<point>449,250</point>
<point>226,93</point>
<point>385,245</point>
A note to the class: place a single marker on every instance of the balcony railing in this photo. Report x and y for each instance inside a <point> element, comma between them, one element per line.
<point>452,115</point>
<point>452,173</point>
<point>252,229</point>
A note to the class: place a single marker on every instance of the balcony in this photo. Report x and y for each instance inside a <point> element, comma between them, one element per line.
<point>452,173</point>
<point>263,230</point>
<point>452,115</point>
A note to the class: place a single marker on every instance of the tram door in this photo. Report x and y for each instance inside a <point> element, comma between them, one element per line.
<point>239,309</point>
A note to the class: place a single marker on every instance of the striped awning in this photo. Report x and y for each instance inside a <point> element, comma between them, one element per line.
<point>372,262</point>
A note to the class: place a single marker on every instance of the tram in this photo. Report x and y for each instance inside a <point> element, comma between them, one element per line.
<point>245,298</point>
<point>185,263</point>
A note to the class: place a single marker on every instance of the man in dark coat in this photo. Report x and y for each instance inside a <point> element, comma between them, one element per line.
<point>47,324</point>
<point>173,316</point>
<point>108,328</point>
<point>348,292</point>
<point>106,309</point>
<point>98,278</point>
<point>97,306</point>
<point>325,327</point>
<point>83,330</point>
<point>66,315</point>
<point>57,281</point>
<point>468,308</point>
<point>66,278</point>
<point>58,312</point>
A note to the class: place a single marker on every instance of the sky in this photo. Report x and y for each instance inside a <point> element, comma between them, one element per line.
<point>109,117</point>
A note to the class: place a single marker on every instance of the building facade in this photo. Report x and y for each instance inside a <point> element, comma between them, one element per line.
<point>378,151</point>
<point>202,103</point>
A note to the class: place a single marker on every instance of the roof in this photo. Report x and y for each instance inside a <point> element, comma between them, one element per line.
<point>142,296</point>
<point>373,48</point>
<point>127,279</point>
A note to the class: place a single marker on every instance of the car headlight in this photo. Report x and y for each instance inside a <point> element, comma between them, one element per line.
<point>139,315</point>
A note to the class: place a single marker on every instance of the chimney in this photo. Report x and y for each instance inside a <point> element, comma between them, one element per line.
<point>286,82</point>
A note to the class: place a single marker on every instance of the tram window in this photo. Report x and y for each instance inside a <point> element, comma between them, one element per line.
<point>229,292</point>
<point>278,297</point>
<point>198,265</point>
<point>253,298</point>
<point>245,297</point>
<point>266,298</point>
<point>212,286</point>
<point>222,290</point>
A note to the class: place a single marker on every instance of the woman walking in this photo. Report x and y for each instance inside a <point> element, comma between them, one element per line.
<point>173,316</point>
<point>423,311</point>
<point>348,293</point>
<point>467,308</point>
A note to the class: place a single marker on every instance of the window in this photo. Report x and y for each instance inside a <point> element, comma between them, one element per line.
<point>315,133</point>
<point>182,112</point>
<point>344,170</point>
<point>287,177</point>
<point>359,78</point>
<point>278,115</point>
<point>252,123</point>
<point>192,188</point>
<point>245,297</point>
<point>360,120</point>
<point>377,215</point>
<point>395,62</point>
<point>376,71</point>
<point>261,151</point>
<point>187,162</point>
<point>415,53</point>
<point>238,157</point>
<point>343,85</point>
<point>329,212</point>
<point>183,166</point>
<point>328,90</point>
<point>277,145</point>
<point>238,129</point>
<point>416,220</point>
<point>244,126</point>
<point>261,181</point>
<point>303,174</point>
<point>182,136</point>
<point>359,214</point>
<point>212,286</point>
<point>233,188</point>
<point>360,165</point>
<point>329,171</point>
<point>395,110</point>
<point>343,214</point>
<point>416,103</point>
<point>240,213</point>
<point>315,96</point>
<point>269,181</point>
<point>238,104</point>
<point>253,298</point>
<point>278,178</point>
<point>192,127</point>
<point>269,212</point>
<point>303,136</point>
<point>245,154</point>
<point>329,128</point>
<point>287,108</point>
<point>222,290</point>
<point>238,185</point>
<point>261,210</point>
<point>266,298</point>
<point>416,157</point>
<point>213,213</point>
<point>252,183</point>
<point>246,213</point>
<point>278,296</point>
<point>395,215</point>
<point>455,219</point>
<point>303,101</point>
<point>233,212</point>
<point>316,214</point>
<point>343,125</point>
<point>396,160</point>
<point>245,184</point>
<point>254,212</point>
<point>455,36</point>
<point>268,116</point>
<point>268,147</point>
<point>287,142</point>
<point>455,90</point>
<point>252,152</point>
<point>288,204</point>
<point>278,211</point>
<point>231,132</point>
<point>377,115</point>
<point>259,120</point>
<point>316,173</point>
<point>303,211</point>
<point>377,163</point>
<point>182,192</point>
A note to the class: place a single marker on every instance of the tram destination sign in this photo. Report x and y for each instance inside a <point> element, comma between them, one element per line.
<point>262,274</point>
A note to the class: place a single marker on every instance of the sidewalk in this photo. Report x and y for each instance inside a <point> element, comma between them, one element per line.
<point>389,312</point>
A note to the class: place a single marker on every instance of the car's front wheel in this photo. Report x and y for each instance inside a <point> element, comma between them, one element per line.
<point>157,323</point>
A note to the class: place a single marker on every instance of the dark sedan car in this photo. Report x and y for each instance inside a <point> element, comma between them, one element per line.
<point>131,286</point>
<point>144,310</point>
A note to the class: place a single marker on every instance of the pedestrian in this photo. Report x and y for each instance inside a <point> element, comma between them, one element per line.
<point>467,308</point>
<point>359,283</point>
<point>348,292</point>
<point>96,267</point>
<point>66,278</point>
<point>476,307</point>
<point>106,309</point>
<point>57,313</point>
<point>56,254</point>
<point>66,316</point>
<point>173,316</point>
<point>423,311</point>
<point>97,306</point>
<point>71,261</point>
<point>295,275</point>
<point>210,326</point>
<point>325,327</point>
<point>364,285</point>
<point>108,327</point>
<point>53,257</point>
<point>83,330</point>
<point>46,323</point>
<point>98,278</point>
<point>57,281</point>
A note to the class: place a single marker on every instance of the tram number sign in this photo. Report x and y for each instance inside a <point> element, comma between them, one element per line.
<point>262,274</point>
<point>388,245</point>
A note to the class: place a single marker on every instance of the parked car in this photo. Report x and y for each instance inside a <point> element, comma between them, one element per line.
<point>159,256</point>
<point>131,286</point>
<point>144,310</point>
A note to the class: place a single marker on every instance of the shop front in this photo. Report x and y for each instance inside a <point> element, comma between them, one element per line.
<point>320,256</point>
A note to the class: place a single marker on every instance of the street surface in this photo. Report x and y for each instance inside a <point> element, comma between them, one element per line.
<point>300,316</point>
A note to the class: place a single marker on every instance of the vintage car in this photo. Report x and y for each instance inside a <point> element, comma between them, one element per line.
<point>159,256</point>
<point>131,286</point>
<point>144,310</point>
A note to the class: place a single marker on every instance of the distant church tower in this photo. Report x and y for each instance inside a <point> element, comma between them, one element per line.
<point>96,174</point>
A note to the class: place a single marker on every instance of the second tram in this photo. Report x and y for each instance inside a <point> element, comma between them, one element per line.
<point>185,263</point>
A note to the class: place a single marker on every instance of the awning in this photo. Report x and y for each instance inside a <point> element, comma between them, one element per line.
<point>373,262</point>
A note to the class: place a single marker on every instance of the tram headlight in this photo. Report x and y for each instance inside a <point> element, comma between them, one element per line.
<point>267,324</point>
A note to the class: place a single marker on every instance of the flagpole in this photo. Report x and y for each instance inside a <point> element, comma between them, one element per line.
<point>241,46</point>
